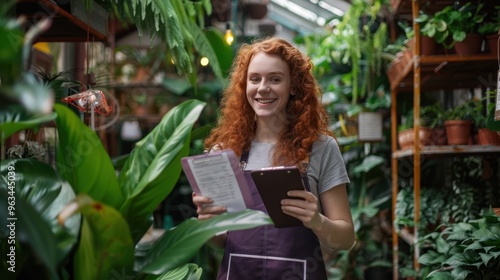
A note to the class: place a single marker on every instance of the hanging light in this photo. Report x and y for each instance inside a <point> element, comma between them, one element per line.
<point>204,61</point>
<point>228,36</point>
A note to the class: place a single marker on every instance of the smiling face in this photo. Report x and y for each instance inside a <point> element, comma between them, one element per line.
<point>268,85</point>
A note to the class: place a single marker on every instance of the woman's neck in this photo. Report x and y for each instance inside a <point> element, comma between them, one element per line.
<point>268,132</point>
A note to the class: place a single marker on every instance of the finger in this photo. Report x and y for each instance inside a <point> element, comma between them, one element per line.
<point>209,209</point>
<point>201,200</point>
<point>308,196</point>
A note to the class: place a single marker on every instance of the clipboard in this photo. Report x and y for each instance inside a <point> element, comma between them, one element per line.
<point>273,185</point>
<point>218,175</point>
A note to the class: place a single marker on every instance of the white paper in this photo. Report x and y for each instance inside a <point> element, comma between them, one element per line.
<point>216,180</point>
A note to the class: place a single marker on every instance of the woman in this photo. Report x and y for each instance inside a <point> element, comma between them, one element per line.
<point>271,115</point>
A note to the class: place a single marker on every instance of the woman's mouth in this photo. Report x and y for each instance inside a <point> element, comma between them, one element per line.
<point>265,101</point>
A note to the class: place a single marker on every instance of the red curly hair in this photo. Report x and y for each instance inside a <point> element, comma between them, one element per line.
<point>306,117</point>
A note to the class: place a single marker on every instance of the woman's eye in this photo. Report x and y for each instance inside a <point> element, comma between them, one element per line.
<point>275,80</point>
<point>254,79</point>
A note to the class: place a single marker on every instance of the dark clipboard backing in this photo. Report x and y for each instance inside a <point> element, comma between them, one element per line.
<point>273,185</point>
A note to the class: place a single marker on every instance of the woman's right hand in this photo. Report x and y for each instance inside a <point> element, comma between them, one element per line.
<point>204,209</point>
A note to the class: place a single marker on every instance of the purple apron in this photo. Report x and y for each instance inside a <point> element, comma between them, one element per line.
<point>271,253</point>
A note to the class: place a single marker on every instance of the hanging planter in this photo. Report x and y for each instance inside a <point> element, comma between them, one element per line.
<point>221,10</point>
<point>256,9</point>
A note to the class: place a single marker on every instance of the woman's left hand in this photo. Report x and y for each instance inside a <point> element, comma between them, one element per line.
<point>302,205</point>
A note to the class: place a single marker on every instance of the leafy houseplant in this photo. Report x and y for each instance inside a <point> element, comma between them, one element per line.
<point>434,116</point>
<point>463,23</point>
<point>433,26</point>
<point>368,201</point>
<point>458,123</point>
<point>490,28</point>
<point>78,219</point>
<point>406,131</point>
<point>465,250</point>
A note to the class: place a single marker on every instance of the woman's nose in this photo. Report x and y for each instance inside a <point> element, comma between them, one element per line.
<point>263,87</point>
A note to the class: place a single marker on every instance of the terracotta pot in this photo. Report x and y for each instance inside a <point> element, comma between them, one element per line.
<point>405,137</point>
<point>487,137</point>
<point>427,46</point>
<point>471,45</point>
<point>458,131</point>
<point>492,43</point>
<point>438,136</point>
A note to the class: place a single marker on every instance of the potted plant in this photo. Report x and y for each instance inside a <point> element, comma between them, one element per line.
<point>463,24</point>
<point>484,136</point>
<point>458,124</point>
<point>406,130</point>
<point>490,28</point>
<point>433,29</point>
<point>434,116</point>
<point>465,250</point>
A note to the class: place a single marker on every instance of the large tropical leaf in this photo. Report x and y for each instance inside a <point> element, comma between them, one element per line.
<point>153,167</point>
<point>188,271</point>
<point>105,242</point>
<point>204,47</point>
<point>223,51</point>
<point>83,161</point>
<point>178,245</point>
<point>39,193</point>
<point>14,121</point>
<point>28,228</point>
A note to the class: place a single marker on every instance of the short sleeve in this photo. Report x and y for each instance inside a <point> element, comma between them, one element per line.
<point>327,168</point>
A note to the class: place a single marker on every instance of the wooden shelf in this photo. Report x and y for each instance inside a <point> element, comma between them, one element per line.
<point>69,23</point>
<point>444,71</point>
<point>402,8</point>
<point>450,150</point>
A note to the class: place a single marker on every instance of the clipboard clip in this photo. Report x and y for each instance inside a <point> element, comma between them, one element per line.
<point>243,164</point>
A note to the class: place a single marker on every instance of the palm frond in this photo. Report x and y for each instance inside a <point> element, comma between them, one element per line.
<point>178,23</point>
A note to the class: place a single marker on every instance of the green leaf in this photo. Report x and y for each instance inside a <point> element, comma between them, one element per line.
<point>154,167</point>
<point>14,121</point>
<point>368,164</point>
<point>40,186</point>
<point>105,243</point>
<point>83,161</point>
<point>491,123</point>
<point>181,243</point>
<point>28,228</point>
<point>188,271</point>
<point>431,258</point>
<point>440,275</point>
<point>223,51</point>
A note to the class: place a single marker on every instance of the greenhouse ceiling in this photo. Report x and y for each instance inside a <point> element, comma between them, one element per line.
<point>305,16</point>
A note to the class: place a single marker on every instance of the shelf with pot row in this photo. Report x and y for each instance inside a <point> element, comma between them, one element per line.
<point>443,71</point>
<point>445,150</point>
<point>415,73</point>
